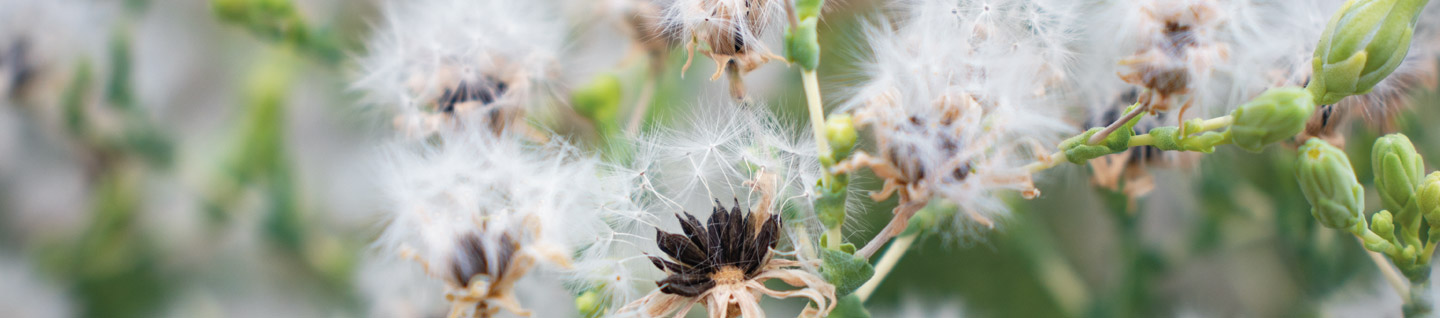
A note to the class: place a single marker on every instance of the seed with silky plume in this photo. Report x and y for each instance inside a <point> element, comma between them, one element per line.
<point>1328,181</point>
<point>1364,42</point>
<point>1275,115</point>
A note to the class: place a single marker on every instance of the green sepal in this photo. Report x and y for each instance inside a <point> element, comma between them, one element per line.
<point>849,306</point>
<point>1383,224</point>
<point>830,205</point>
<point>1398,170</point>
<point>1078,150</point>
<point>802,44</point>
<point>1277,114</point>
<point>1363,43</point>
<point>1427,202</point>
<point>841,134</point>
<point>805,9</point>
<point>845,270</point>
<point>1328,182</point>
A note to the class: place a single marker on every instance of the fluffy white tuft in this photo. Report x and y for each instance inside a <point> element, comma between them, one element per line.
<point>996,67</point>
<point>723,152</point>
<point>542,196</point>
<point>425,48</point>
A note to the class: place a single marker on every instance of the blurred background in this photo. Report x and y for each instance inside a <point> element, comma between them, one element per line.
<point>172,158</point>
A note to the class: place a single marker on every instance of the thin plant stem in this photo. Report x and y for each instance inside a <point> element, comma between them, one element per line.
<point>885,265</point>
<point>1391,275</point>
<point>642,106</point>
<point>1097,137</point>
<point>1054,159</point>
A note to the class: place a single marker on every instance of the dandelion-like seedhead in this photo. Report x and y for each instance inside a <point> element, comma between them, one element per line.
<point>477,210</point>
<point>723,264</point>
<point>733,33</point>
<point>959,96</point>
<point>439,63</point>
<point>726,152</point>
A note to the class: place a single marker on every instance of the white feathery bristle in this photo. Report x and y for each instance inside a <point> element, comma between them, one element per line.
<point>426,48</point>
<point>541,196</point>
<point>995,66</point>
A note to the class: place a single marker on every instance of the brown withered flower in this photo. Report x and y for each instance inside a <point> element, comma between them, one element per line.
<point>481,274</point>
<point>463,98</point>
<point>723,264</point>
<point>731,32</point>
<point>1175,53</point>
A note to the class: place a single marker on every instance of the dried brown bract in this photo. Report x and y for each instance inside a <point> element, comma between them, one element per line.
<point>1175,53</point>
<point>723,264</point>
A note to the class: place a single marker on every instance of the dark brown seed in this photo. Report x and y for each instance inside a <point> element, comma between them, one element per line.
<point>679,247</point>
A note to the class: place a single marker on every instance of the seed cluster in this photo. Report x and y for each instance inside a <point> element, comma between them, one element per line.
<point>730,243</point>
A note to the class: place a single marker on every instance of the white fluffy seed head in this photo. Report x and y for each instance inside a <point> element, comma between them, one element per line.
<point>504,53</point>
<point>751,21</point>
<point>473,183</point>
<point>959,95</point>
<point>727,152</point>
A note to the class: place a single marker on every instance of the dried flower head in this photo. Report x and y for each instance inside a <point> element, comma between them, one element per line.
<point>446,63</point>
<point>1128,172</point>
<point>724,264</point>
<point>726,152</point>
<point>730,32</point>
<point>1177,49</point>
<point>478,211</point>
<point>960,95</point>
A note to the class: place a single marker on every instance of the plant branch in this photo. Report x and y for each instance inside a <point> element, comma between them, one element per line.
<point>1391,275</point>
<point>885,265</point>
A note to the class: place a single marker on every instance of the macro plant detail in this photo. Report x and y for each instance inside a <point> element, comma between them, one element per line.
<point>861,158</point>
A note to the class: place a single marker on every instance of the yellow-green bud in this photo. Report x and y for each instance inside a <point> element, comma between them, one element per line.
<point>1428,198</point>
<point>599,100</point>
<point>1275,115</point>
<point>1328,181</point>
<point>1363,43</point>
<point>840,131</point>
<point>1398,170</point>
<point>1383,224</point>
<point>590,304</point>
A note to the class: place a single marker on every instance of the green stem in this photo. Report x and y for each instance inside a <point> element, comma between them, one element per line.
<point>885,265</point>
<point>1419,302</point>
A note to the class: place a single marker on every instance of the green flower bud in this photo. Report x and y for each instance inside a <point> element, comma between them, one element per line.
<point>1383,224</point>
<point>1363,43</point>
<point>1328,181</point>
<point>1427,198</point>
<point>1398,170</point>
<point>590,304</point>
<point>802,44</point>
<point>840,131</point>
<point>806,9</point>
<point>599,100</point>
<point>1275,115</point>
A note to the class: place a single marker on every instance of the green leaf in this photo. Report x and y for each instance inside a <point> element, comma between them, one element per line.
<point>849,306</point>
<point>844,270</point>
